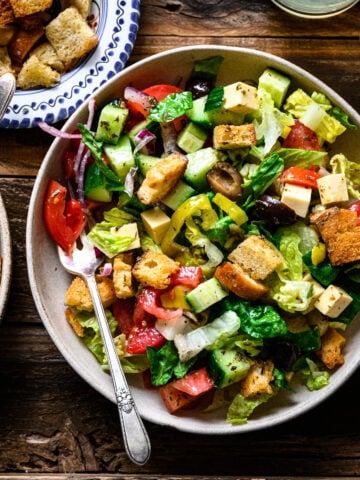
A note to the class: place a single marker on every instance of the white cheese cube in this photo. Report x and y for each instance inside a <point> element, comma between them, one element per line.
<point>156,223</point>
<point>333,301</point>
<point>333,188</point>
<point>297,198</point>
<point>240,97</point>
<point>317,291</point>
<point>130,230</point>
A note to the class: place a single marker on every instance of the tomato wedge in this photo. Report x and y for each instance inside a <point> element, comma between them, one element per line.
<point>303,177</point>
<point>302,137</point>
<point>142,336</point>
<point>190,276</point>
<point>149,300</point>
<point>64,219</point>
<point>123,311</point>
<point>355,207</point>
<point>159,92</point>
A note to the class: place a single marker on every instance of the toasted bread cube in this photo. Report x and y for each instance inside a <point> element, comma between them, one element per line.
<point>71,36</point>
<point>6,34</point>
<point>257,381</point>
<point>333,301</point>
<point>34,74</point>
<point>28,7</point>
<point>6,12</point>
<point>156,223</point>
<point>84,6</point>
<point>5,61</point>
<point>162,178</point>
<point>47,55</point>
<point>76,326</point>
<point>332,343</point>
<point>78,294</point>
<point>154,269</point>
<point>333,189</point>
<point>22,43</point>
<point>257,256</point>
<point>297,198</point>
<point>227,137</point>
<point>122,276</point>
<point>240,98</point>
<point>235,279</point>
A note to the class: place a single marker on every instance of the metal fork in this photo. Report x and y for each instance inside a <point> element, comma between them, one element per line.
<point>84,262</point>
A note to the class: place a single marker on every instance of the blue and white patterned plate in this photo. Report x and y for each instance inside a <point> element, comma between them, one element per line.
<point>116,24</point>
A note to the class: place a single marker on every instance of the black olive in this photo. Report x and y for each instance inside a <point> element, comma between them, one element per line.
<point>274,211</point>
<point>225,178</point>
<point>198,87</point>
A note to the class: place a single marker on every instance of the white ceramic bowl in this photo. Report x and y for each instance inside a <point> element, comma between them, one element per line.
<point>6,258</point>
<point>116,25</point>
<point>49,281</point>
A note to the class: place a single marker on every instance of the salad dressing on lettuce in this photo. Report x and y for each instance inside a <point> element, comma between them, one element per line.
<point>231,237</point>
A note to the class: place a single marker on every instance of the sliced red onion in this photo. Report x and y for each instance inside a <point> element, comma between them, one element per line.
<point>81,179</point>
<point>106,270</point>
<point>129,181</point>
<point>146,142</point>
<point>55,132</point>
<point>169,137</point>
<point>137,96</point>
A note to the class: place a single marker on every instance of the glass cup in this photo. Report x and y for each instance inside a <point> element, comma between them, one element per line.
<point>315,8</point>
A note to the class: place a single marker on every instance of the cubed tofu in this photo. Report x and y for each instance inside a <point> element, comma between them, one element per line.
<point>228,137</point>
<point>156,223</point>
<point>240,97</point>
<point>297,198</point>
<point>333,301</point>
<point>333,189</point>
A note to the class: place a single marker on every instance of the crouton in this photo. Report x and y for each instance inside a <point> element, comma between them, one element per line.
<point>84,6</point>
<point>257,381</point>
<point>34,74</point>
<point>6,34</point>
<point>332,343</point>
<point>161,179</point>
<point>71,318</point>
<point>257,256</point>
<point>71,36</point>
<point>6,12</point>
<point>122,276</point>
<point>22,8</point>
<point>5,62</point>
<point>340,231</point>
<point>47,55</point>
<point>154,269</point>
<point>227,137</point>
<point>22,43</point>
<point>78,294</point>
<point>234,278</point>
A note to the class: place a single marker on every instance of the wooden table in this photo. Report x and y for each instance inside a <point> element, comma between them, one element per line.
<point>52,424</point>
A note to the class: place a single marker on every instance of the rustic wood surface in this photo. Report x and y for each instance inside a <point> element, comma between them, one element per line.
<point>52,424</point>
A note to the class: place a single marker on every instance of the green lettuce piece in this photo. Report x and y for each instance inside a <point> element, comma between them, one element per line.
<point>343,118</point>
<point>340,164</point>
<point>292,296</point>
<point>313,376</point>
<point>324,272</point>
<point>297,157</point>
<point>106,235</point>
<point>289,248</point>
<point>306,341</point>
<point>173,106</point>
<point>241,408</point>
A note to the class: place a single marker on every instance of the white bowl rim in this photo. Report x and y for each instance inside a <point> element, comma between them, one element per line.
<point>6,253</point>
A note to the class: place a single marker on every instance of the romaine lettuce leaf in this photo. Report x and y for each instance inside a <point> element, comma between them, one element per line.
<point>340,164</point>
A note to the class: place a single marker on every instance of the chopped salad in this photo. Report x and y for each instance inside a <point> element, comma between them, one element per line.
<point>230,236</point>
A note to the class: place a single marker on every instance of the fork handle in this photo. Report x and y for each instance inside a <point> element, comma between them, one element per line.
<point>136,440</point>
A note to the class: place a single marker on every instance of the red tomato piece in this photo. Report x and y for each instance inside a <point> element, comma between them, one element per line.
<point>355,207</point>
<point>194,383</point>
<point>68,164</point>
<point>141,337</point>
<point>161,91</point>
<point>190,276</point>
<point>64,219</point>
<point>149,300</point>
<point>123,311</point>
<point>304,177</point>
<point>302,137</point>
<point>174,399</point>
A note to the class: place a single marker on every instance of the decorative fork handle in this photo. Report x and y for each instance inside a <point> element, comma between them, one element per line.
<point>136,440</point>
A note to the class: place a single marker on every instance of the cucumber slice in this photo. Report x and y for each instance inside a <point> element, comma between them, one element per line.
<point>199,163</point>
<point>205,295</point>
<point>111,123</point>
<point>276,84</point>
<point>227,366</point>
<point>145,162</point>
<point>211,118</point>
<point>192,138</point>
<point>95,185</point>
<point>181,192</point>
<point>120,156</point>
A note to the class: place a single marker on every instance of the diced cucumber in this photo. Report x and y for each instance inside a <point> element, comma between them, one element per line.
<point>153,127</point>
<point>205,295</point>
<point>199,163</point>
<point>145,162</point>
<point>276,84</point>
<point>227,366</point>
<point>111,123</point>
<point>211,118</point>
<point>95,185</point>
<point>181,192</point>
<point>192,138</point>
<point>120,156</point>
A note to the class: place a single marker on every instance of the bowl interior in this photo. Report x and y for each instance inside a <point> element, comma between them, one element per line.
<point>49,281</point>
